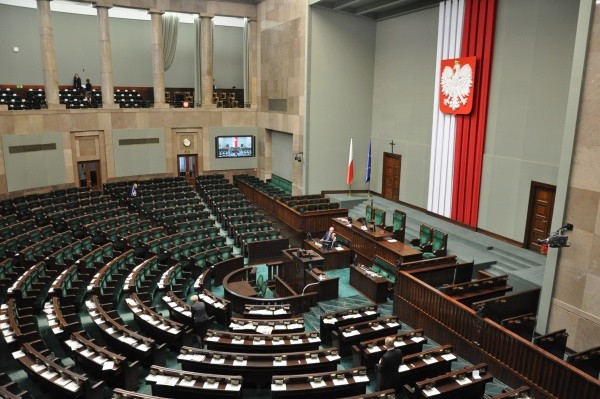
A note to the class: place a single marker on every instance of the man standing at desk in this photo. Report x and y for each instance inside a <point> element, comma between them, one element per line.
<point>200,319</point>
<point>389,364</point>
<point>133,191</point>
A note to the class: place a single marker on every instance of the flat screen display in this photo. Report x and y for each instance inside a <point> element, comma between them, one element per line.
<point>234,146</point>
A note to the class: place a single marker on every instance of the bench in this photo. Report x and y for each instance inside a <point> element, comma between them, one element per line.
<point>554,342</point>
<point>477,290</point>
<point>258,368</point>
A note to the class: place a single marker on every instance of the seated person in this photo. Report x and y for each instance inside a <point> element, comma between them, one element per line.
<point>332,242</point>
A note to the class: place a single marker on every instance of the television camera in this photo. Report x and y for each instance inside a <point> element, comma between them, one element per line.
<point>556,239</point>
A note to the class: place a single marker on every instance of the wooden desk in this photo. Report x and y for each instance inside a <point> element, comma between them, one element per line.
<point>374,288</point>
<point>379,242</point>
<point>243,288</point>
<point>320,385</point>
<point>334,258</point>
<point>332,320</point>
<point>258,368</point>
<point>185,385</point>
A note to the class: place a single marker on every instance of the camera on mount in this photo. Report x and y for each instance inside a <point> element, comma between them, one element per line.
<point>557,239</point>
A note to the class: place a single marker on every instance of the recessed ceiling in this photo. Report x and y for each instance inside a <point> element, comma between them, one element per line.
<point>376,10</point>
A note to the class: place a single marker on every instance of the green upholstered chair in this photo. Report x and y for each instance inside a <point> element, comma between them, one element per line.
<point>369,214</point>
<point>398,227</point>
<point>438,245</point>
<point>423,242</point>
<point>379,218</point>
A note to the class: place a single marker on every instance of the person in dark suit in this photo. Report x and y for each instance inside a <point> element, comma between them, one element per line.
<point>133,191</point>
<point>389,364</point>
<point>77,82</point>
<point>327,235</point>
<point>200,319</point>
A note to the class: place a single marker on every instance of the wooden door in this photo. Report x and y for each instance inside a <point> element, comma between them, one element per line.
<point>187,165</point>
<point>539,215</point>
<point>89,174</point>
<point>391,176</point>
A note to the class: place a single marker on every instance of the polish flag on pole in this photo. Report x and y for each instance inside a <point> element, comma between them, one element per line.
<point>350,175</point>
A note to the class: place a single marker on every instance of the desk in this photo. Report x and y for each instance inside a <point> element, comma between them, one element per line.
<point>374,288</point>
<point>243,288</point>
<point>335,258</point>
<point>379,242</point>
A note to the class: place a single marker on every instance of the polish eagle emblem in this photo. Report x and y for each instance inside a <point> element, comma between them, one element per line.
<point>456,85</point>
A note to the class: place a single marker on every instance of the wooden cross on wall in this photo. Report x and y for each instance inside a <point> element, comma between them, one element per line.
<point>392,144</point>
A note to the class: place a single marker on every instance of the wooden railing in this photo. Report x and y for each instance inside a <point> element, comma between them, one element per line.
<point>511,358</point>
<point>310,221</point>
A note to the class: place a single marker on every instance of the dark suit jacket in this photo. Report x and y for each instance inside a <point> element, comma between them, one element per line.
<point>130,194</point>
<point>390,361</point>
<point>327,236</point>
<point>199,314</point>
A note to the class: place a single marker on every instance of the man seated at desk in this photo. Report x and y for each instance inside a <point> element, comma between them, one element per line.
<point>331,243</point>
<point>327,235</point>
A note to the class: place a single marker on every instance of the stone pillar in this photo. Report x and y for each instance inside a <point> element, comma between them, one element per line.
<point>157,59</point>
<point>48,54</point>
<point>106,71</point>
<point>206,67</point>
<point>252,64</point>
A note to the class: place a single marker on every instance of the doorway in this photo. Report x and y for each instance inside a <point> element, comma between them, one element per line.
<point>89,174</point>
<point>539,214</point>
<point>187,167</point>
<point>391,176</point>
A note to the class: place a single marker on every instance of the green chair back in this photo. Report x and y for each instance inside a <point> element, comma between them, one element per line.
<point>369,214</point>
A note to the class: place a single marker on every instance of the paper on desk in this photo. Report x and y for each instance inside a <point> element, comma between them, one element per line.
<point>450,356</point>
<point>213,339</point>
<point>278,387</point>
<point>240,362</point>
<point>314,339</point>
<point>108,365</point>
<point>18,354</point>
<point>431,360</point>
<point>72,386</point>
<point>476,375</point>
<point>38,367</point>
<point>209,385</point>
<point>329,321</point>
<point>279,362</point>
<point>431,392</point>
<point>332,357</point>
<point>187,383</point>
<point>399,343</point>
<point>374,349</point>
<point>464,381</point>
<point>279,311</point>
<point>310,360</point>
<point>217,361</point>
<point>339,248</point>
<point>403,368</point>
<point>264,329</point>
<point>49,374</point>
<point>341,381</point>
<point>62,381</point>
<point>231,387</point>
<point>361,378</point>
<point>418,339</point>
<point>318,384</point>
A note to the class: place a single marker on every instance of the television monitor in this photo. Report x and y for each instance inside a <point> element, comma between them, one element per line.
<point>235,146</point>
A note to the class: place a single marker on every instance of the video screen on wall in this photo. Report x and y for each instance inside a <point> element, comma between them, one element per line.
<point>234,146</point>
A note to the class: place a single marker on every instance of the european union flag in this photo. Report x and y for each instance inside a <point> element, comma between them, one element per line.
<point>368,171</point>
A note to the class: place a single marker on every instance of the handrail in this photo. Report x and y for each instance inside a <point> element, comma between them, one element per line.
<point>517,360</point>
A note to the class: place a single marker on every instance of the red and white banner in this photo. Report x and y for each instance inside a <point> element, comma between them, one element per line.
<point>350,174</point>
<point>456,85</point>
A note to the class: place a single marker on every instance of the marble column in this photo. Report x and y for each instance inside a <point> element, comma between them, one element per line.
<point>106,71</point>
<point>157,59</point>
<point>206,65</point>
<point>48,54</point>
<point>252,64</point>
